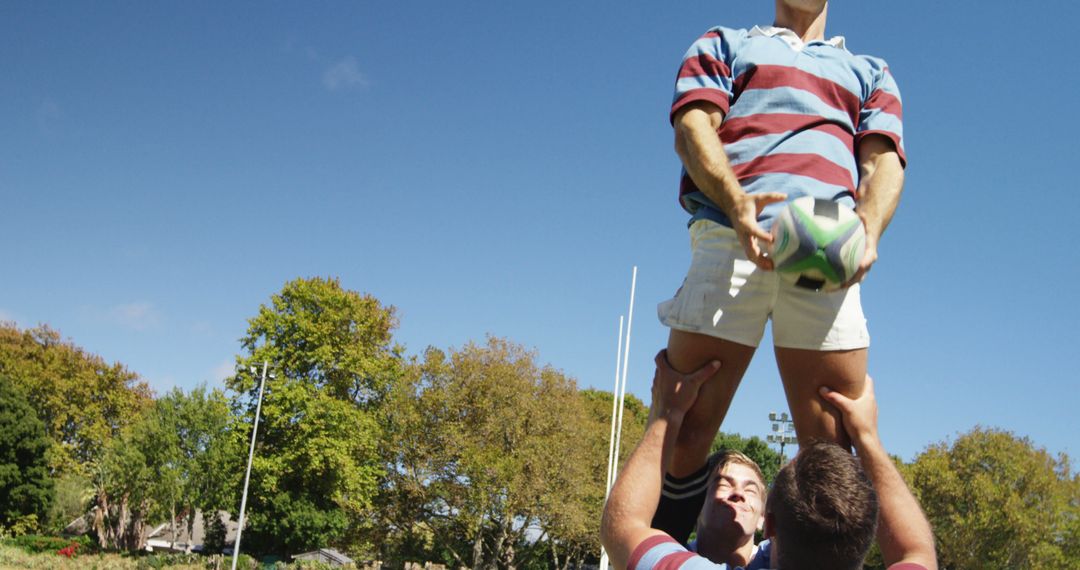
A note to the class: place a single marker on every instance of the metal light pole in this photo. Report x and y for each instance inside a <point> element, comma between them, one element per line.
<point>251,454</point>
<point>783,432</point>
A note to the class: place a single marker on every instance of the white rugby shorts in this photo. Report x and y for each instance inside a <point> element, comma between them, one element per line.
<point>726,296</point>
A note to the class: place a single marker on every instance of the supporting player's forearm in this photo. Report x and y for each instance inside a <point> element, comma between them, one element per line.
<point>632,503</point>
<point>704,159</point>
<point>904,534</point>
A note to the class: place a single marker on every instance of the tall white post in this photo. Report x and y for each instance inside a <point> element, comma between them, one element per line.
<point>618,402</point>
<point>626,358</point>
<point>247,476</point>
<point>614,411</point>
<point>611,457</point>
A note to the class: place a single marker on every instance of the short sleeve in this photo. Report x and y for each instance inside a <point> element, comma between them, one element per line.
<point>881,111</point>
<point>705,73</point>
<point>660,551</point>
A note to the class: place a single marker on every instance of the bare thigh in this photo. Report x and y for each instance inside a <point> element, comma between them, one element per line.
<point>804,372</point>
<point>688,352</point>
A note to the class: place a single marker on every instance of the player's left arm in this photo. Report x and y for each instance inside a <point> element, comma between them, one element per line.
<point>632,503</point>
<point>881,181</point>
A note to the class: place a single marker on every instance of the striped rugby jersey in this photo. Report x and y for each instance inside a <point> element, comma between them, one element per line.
<point>661,552</point>
<point>792,117</point>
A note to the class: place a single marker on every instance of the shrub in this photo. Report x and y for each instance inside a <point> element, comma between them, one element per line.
<point>34,544</point>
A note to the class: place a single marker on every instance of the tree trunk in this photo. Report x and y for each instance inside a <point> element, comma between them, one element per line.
<point>121,523</point>
<point>478,550</point>
<point>504,548</point>
<point>172,523</point>
<point>190,527</point>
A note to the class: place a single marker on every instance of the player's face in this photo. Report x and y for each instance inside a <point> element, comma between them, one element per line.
<point>736,500</point>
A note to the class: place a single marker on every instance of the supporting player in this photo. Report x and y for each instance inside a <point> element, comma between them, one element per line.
<point>761,115</point>
<point>821,512</point>
<point>734,511</point>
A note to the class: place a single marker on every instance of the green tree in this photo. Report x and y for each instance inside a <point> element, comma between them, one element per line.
<point>317,463</point>
<point>996,500</point>
<point>25,487</point>
<point>74,493</point>
<point>180,456</point>
<point>83,401</point>
<point>753,447</point>
<point>489,445</point>
<point>204,452</point>
<point>581,542</point>
<point>124,481</point>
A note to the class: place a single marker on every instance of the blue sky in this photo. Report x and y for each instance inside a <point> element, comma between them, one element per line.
<point>499,168</point>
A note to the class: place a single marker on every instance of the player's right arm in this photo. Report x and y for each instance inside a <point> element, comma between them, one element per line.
<point>703,157</point>
<point>905,535</point>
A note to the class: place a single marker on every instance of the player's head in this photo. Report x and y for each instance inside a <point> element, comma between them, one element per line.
<point>735,499</point>
<point>822,510</point>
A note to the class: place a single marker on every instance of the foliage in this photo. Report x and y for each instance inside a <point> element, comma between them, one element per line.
<point>33,543</point>
<point>25,486</point>
<point>84,402</point>
<point>196,449</point>
<point>179,456</point>
<point>996,500</point>
<point>74,492</point>
<point>216,532</point>
<point>317,463</point>
<point>753,447</point>
<point>488,445</point>
<point>585,545</point>
<point>124,483</point>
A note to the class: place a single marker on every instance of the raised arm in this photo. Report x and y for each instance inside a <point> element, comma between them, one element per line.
<point>704,159</point>
<point>632,503</point>
<point>881,181</point>
<point>904,534</point>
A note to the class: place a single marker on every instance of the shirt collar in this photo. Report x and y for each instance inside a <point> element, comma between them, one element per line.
<point>791,38</point>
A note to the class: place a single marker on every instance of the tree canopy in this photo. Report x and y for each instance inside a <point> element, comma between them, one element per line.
<point>84,402</point>
<point>497,461</point>
<point>181,455</point>
<point>997,500</point>
<point>317,463</point>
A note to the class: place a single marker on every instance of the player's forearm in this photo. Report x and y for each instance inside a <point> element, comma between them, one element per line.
<point>704,159</point>
<point>904,534</point>
<point>881,183</point>
<point>633,499</point>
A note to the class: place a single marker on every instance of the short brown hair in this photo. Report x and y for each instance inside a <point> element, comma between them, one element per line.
<point>720,459</point>
<point>824,510</point>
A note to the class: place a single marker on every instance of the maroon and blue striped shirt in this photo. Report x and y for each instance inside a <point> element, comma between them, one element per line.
<point>792,117</point>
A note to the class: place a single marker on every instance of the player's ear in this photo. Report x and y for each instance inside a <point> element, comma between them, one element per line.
<point>761,524</point>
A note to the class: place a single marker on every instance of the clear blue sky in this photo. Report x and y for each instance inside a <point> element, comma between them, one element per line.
<point>494,167</point>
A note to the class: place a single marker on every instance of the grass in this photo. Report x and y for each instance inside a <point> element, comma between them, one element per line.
<point>12,558</point>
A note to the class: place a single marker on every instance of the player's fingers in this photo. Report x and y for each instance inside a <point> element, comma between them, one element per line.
<point>835,398</point>
<point>755,254</point>
<point>767,198</point>
<point>661,359</point>
<point>860,274</point>
<point>766,263</point>
<point>705,372</point>
<point>760,233</point>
